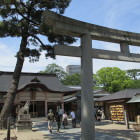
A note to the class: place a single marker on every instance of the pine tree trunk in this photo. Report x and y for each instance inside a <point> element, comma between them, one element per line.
<point>10,97</point>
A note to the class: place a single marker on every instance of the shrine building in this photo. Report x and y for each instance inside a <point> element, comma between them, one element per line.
<point>44,91</point>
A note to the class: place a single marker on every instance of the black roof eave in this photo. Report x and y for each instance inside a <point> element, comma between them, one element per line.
<point>119,99</point>
<point>46,88</point>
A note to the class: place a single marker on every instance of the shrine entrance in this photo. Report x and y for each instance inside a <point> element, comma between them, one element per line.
<point>88,32</point>
<point>37,108</point>
<point>52,106</point>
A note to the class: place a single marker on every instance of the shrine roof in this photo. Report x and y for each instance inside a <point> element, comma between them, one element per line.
<point>51,82</point>
<point>123,94</point>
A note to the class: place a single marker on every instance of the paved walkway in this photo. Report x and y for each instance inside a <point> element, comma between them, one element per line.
<point>104,131</point>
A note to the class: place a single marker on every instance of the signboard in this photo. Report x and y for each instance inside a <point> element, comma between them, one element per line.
<point>117,112</point>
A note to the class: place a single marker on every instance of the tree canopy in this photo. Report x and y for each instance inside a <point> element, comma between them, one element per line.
<point>137,83</point>
<point>113,79</point>
<point>73,79</point>
<point>23,18</point>
<point>55,69</point>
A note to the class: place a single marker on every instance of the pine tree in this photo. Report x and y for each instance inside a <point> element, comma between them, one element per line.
<point>23,19</point>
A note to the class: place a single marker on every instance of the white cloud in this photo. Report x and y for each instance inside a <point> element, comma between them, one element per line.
<point>7,58</point>
<point>105,45</point>
<point>121,14</point>
<point>2,47</point>
<point>98,64</point>
<point>62,61</point>
<point>6,50</point>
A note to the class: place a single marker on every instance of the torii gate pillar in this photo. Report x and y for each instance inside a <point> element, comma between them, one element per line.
<point>87,111</point>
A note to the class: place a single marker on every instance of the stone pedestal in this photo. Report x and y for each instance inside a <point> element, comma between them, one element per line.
<point>24,123</point>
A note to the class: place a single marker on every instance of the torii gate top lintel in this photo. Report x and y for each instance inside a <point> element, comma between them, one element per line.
<point>71,27</point>
<point>68,26</point>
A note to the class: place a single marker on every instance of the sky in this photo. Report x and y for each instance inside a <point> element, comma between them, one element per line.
<point>116,14</point>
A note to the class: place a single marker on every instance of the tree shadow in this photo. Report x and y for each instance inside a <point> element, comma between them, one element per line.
<point>41,126</point>
<point>100,123</point>
<point>63,136</point>
<point>120,134</point>
<point>100,134</point>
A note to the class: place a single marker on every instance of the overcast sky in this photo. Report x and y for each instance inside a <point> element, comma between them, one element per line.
<point>117,14</point>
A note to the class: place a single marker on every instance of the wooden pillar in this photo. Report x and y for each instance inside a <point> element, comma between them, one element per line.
<point>78,113</point>
<point>87,113</point>
<point>46,108</point>
<point>62,104</point>
<point>126,115</point>
<point>8,128</point>
<point>33,108</point>
<point>126,119</point>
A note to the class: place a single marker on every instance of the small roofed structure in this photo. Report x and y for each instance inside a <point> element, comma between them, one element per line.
<point>116,104</point>
<point>135,99</point>
<point>44,91</point>
<point>123,94</point>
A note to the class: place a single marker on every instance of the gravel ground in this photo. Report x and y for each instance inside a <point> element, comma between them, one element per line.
<point>105,130</point>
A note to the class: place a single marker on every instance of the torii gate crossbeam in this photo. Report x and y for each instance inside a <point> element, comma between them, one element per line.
<point>87,32</point>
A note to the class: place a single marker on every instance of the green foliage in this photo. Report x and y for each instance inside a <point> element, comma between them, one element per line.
<point>133,73</point>
<point>113,79</point>
<point>73,79</point>
<point>137,83</point>
<point>55,69</point>
<point>23,18</point>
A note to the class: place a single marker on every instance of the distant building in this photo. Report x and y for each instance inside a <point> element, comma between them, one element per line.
<point>71,69</point>
<point>123,102</point>
<point>73,101</point>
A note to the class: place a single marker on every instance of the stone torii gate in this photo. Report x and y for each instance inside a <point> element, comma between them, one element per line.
<point>88,32</point>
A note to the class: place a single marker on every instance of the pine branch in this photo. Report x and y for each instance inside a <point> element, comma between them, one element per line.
<point>39,40</point>
<point>23,4</point>
<point>25,16</point>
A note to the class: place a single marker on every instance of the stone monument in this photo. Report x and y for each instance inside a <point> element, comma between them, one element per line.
<point>24,120</point>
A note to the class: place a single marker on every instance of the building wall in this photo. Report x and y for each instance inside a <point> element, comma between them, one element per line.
<point>132,109</point>
<point>39,96</point>
<point>71,69</point>
<point>45,100</point>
